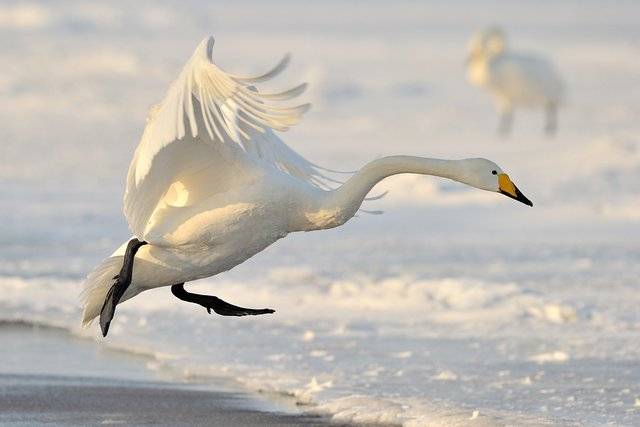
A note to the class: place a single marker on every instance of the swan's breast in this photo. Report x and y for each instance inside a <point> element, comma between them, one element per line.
<point>212,227</point>
<point>218,239</point>
<point>478,72</point>
<point>227,228</point>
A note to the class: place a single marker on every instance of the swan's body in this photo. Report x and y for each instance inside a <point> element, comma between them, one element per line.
<point>514,79</point>
<point>211,185</point>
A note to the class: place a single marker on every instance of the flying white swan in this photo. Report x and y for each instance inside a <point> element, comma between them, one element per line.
<point>211,185</point>
<point>514,79</point>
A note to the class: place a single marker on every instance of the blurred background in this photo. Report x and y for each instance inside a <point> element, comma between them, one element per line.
<point>453,301</point>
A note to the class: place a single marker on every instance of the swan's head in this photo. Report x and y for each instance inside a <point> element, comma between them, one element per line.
<point>486,175</point>
<point>486,44</point>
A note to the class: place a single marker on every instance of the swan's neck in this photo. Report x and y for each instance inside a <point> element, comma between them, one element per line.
<point>338,206</point>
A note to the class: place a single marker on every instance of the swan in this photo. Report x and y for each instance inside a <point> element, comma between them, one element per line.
<point>210,185</point>
<point>514,79</point>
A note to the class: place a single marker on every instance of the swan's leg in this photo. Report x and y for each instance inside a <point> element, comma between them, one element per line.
<point>505,123</point>
<point>551,123</point>
<point>216,304</point>
<point>122,282</point>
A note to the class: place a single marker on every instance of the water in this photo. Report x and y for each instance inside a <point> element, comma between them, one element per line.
<point>49,376</point>
<point>454,301</point>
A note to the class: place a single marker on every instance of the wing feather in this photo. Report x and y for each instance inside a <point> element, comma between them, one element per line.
<point>266,76</point>
<point>210,121</point>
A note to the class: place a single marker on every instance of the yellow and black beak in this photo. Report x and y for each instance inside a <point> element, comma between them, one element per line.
<point>509,189</point>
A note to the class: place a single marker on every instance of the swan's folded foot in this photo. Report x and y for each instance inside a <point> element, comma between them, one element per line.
<point>211,302</point>
<point>121,282</point>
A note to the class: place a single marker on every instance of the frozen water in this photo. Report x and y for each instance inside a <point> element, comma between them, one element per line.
<point>455,306</point>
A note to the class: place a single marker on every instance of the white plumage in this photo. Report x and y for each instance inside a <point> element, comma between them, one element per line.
<point>211,185</point>
<point>514,79</point>
<point>209,126</point>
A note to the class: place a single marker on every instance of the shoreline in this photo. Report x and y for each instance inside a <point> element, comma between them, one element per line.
<point>49,376</point>
<point>70,401</point>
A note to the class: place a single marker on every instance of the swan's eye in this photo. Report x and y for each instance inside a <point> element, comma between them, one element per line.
<point>494,172</point>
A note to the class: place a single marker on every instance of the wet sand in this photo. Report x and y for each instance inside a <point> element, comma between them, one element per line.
<point>49,377</point>
<point>68,401</point>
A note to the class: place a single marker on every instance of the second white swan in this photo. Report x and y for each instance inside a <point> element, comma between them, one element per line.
<point>515,79</point>
<point>211,185</point>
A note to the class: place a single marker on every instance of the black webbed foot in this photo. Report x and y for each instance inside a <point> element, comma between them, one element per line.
<point>121,282</point>
<point>109,306</point>
<point>211,302</point>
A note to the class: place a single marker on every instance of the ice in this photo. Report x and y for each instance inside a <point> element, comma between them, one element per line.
<point>555,356</point>
<point>23,16</point>
<point>455,307</point>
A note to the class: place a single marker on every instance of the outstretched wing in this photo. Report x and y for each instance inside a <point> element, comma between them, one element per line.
<point>204,135</point>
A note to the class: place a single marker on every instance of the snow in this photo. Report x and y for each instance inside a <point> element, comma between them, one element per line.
<point>455,307</point>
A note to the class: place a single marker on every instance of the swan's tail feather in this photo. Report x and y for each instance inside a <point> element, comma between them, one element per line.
<point>96,286</point>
